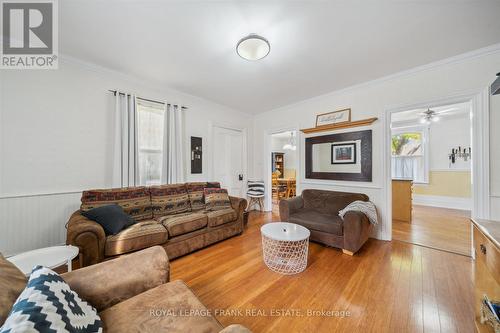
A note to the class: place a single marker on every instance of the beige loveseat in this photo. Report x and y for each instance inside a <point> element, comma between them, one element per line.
<point>173,216</point>
<point>131,293</point>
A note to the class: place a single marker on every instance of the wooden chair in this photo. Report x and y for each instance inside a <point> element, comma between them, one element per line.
<point>278,190</point>
<point>274,184</point>
<point>291,188</point>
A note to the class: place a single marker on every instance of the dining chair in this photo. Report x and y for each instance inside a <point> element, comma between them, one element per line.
<point>291,188</point>
<point>278,190</point>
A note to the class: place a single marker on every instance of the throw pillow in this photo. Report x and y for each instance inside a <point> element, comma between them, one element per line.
<point>213,185</point>
<point>169,199</point>
<point>47,304</point>
<point>112,218</point>
<point>216,199</point>
<point>195,193</point>
<point>135,201</point>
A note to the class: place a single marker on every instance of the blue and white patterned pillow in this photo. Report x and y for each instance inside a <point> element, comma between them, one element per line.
<point>47,304</point>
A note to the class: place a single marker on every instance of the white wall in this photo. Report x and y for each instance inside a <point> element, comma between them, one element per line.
<point>373,99</point>
<point>277,144</point>
<point>450,132</point>
<point>56,134</point>
<point>322,159</point>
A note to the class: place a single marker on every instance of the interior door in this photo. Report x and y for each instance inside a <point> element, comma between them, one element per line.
<point>228,160</point>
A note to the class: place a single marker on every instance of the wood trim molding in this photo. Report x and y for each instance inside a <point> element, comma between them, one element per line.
<point>333,127</point>
<point>366,156</point>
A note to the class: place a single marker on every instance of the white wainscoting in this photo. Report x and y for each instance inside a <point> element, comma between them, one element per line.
<point>31,222</point>
<point>442,201</point>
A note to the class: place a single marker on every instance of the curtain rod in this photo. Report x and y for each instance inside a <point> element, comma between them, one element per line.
<point>145,99</point>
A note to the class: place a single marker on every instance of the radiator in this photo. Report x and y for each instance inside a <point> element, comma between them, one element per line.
<point>35,221</point>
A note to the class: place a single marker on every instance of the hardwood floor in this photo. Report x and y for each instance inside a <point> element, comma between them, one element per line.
<point>276,209</point>
<point>386,287</point>
<point>440,228</point>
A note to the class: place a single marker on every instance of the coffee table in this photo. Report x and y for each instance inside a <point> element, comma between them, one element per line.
<point>50,257</point>
<point>285,247</point>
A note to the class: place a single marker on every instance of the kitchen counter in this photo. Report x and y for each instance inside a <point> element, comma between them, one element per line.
<point>402,199</point>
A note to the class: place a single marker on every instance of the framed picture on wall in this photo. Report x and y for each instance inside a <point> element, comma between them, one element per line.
<point>343,153</point>
<point>335,117</point>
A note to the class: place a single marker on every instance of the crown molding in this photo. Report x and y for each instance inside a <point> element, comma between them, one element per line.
<point>108,71</point>
<point>485,51</point>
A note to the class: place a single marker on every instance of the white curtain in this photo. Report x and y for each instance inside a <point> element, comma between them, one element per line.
<point>173,145</point>
<point>125,155</point>
<point>409,167</point>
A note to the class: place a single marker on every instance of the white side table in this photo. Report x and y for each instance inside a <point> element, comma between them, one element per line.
<point>285,247</point>
<point>50,257</point>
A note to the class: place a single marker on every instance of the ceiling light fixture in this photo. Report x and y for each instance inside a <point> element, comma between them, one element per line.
<point>290,145</point>
<point>429,116</point>
<point>253,47</point>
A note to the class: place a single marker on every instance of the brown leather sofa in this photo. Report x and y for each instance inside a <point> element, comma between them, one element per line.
<point>318,210</point>
<point>173,216</point>
<point>131,293</point>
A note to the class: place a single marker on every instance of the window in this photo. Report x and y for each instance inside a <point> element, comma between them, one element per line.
<point>410,154</point>
<point>150,124</point>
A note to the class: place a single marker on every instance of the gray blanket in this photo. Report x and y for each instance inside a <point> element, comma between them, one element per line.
<point>365,207</point>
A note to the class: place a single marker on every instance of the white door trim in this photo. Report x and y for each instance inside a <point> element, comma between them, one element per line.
<point>480,137</point>
<point>481,154</point>
<point>244,133</point>
<point>268,203</point>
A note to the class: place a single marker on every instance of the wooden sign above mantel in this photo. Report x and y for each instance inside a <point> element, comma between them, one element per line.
<point>332,127</point>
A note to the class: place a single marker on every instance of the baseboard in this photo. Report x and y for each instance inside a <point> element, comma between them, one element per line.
<point>443,201</point>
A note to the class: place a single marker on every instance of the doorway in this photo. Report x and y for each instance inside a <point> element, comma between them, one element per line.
<point>229,159</point>
<point>283,168</point>
<point>431,164</point>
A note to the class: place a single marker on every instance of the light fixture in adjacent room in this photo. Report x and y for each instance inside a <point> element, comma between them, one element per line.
<point>253,47</point>
<point>429,116</point>
<point>290,145</point>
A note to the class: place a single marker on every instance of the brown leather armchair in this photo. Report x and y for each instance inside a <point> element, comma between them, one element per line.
<point>318,210</point>
<point>130,293</point>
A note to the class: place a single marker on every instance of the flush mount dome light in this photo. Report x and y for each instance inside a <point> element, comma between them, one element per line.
<point>253,47</point>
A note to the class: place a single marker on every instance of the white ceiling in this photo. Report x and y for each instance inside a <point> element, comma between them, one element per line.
<point>316,46</point>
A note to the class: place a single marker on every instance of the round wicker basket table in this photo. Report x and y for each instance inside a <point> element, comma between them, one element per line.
<point>285,247</point>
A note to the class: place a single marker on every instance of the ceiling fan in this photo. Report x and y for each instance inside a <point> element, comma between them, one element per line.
<point>429,115</point>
